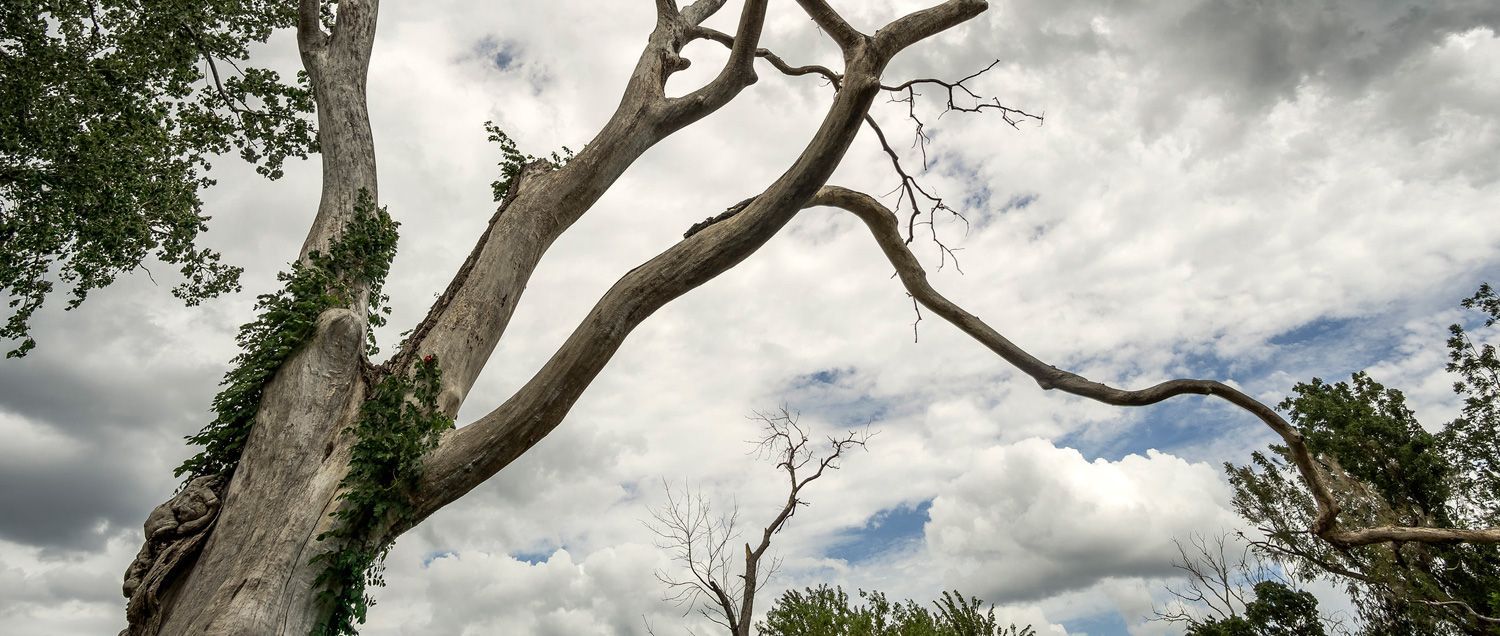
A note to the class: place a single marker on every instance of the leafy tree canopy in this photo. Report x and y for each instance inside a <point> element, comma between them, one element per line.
<point>1277,610</point>
<point>1386,469</point>
<point>109,113</point>
<point>825,611</point>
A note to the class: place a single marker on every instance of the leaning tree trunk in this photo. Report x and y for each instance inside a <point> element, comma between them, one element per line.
<point>235,558</point>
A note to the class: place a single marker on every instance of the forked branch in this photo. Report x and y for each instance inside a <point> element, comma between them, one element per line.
<point>1216,579</point>
<point>466,323</point>
<point>470,455</point>
<point>737,73</point>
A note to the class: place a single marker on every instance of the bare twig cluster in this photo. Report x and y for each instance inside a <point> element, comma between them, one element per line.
<point>698,540</point>
<point>1219,578</point>
<point>910,191</point>
<point>959,97</point>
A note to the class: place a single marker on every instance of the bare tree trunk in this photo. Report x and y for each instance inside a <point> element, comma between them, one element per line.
<point>254,575</point>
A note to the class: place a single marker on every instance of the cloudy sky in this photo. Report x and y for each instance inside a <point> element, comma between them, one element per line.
<point>1260,192</point>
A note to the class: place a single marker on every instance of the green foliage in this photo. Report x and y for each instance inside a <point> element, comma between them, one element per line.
<point>1470,440</point>
<point>825,611</point>
<point>1386,469</point>
<point>109,113</point>
<point>398,424</point>
<point>1377,441</point>
<point>512,160</point>
<point>1276,611</point>
<point>1232,626</point>
<point>1279,610</point>
<point>360,256</point>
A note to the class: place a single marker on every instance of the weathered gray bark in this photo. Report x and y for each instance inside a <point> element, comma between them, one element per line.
<point>235,559</point>
<point>253,575</point>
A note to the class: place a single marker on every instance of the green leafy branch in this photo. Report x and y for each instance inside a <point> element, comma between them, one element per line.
<point>512,160</point>
<point>111,113</point>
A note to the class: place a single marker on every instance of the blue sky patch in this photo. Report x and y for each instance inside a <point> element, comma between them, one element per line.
<point>428,558</point>
<point>1319,329</point>
<point>1107,623</point>
<point>884,531</point>
<point>979,201</point>
<point>837,396</point>
<point>824,376</point>
<point>502,54</point>
<point>1020,202</point>
<point>534,557</point>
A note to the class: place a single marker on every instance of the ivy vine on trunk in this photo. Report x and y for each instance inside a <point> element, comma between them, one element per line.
<point>357,259</point>
<point>398,424</point>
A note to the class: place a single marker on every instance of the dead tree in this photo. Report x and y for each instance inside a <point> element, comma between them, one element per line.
<point>1223,581</point>
<point>1218,580</point>
<point>254,559</point>
<point>700,541</point>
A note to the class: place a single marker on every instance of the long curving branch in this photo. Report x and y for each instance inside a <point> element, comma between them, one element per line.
<point>885,227</point>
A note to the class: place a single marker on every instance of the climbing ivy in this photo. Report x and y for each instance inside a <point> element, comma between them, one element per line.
<point>397,426</point>
<point>360,256</point>
<point>512,160</point>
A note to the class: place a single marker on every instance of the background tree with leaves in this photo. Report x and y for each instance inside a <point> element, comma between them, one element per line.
<point>828,611</point>
<point>1388,470</point>
<point>1229,592</point>
<point>110,112</point>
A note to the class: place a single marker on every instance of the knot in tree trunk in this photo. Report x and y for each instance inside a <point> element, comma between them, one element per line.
<point>175,532</point>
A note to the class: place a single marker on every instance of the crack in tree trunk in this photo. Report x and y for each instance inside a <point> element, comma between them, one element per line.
<point>722,216</point>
